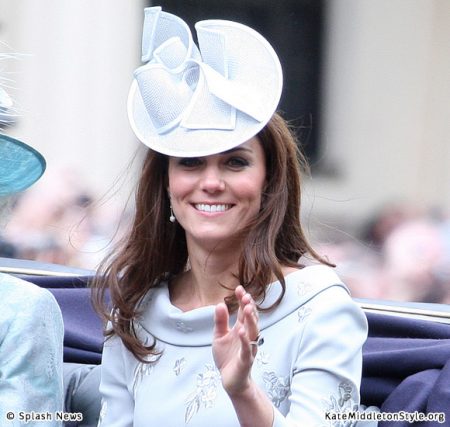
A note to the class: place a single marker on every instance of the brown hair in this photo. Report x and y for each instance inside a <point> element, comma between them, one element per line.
<point>155,249</point>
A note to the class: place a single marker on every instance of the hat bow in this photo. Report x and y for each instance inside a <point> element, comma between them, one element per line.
<point>193,88</point>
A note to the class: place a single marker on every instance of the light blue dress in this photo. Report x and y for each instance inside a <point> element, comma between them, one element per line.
<point>31,354</point>
<point>309,365</point>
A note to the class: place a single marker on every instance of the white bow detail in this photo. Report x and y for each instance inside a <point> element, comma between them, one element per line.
<point>196,89</point>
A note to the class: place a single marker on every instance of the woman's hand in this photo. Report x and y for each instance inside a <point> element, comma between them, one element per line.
<point>234,352</point>
<point>234,349</point>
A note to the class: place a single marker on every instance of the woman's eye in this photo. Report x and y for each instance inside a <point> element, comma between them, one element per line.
<point>189,162</point>
<point>237,162</point>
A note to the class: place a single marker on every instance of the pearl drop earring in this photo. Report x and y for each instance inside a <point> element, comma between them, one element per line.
<point>172,216</point>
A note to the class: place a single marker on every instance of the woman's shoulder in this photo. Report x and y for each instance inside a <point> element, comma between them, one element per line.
<point>313,279</point>
<point>301,284</point>
<point>316,284</point>
<point>315,274</point>
<point>304,287</point>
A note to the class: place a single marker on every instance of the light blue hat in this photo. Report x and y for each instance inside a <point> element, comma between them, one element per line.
<point>20,165</point>
<point>190,101</point>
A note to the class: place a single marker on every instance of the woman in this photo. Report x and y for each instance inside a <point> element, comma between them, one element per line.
<point>31,324</point>
<point>214,321</point>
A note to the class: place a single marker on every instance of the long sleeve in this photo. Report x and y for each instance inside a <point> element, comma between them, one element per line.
<point>117,401</point>
<point>31,351</point>
<point>326,373</point>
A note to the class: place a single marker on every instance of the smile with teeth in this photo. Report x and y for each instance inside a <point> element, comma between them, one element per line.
<point>212,208</point>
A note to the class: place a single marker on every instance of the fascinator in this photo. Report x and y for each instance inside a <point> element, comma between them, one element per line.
<point>20,164</point>
<point>190,101</point>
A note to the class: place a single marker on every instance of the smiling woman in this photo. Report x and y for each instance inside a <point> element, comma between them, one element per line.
<point>211,306</point>
<point>214,197</point>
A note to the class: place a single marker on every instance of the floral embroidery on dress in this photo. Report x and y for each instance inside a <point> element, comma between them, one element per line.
<point>343,402</point>
<point>304,288</point>
<point>179,365</point>
<point>277,387</point>
<point>205,393</point>
<point>181,326</point>
<point>142,370</point>
<point>303,313</point>
<point>262,358</point>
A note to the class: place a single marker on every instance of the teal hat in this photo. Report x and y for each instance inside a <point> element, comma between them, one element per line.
<point>20,165</point>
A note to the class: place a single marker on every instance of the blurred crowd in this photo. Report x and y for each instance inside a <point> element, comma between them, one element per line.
<point>402,254</point>
<point>59,221</point>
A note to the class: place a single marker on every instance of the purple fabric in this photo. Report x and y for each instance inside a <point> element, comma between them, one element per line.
<point>406,366</point>
<point>83,336</point>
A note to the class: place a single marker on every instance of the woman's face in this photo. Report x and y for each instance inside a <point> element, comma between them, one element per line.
<point>215,196</point>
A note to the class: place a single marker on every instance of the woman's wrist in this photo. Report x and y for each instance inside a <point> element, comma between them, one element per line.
<point>252,406</point>
<point>246,391</point>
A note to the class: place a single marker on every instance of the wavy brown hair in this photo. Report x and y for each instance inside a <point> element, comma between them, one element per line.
<point>155,249</point>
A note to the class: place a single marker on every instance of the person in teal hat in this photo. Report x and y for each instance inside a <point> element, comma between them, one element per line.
<point>31,325</point>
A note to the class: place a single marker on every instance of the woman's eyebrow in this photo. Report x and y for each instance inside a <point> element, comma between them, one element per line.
<point>232,150</point>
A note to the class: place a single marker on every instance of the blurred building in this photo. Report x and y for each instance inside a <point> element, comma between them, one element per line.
<point>382,100</point>
<point>386,117</point>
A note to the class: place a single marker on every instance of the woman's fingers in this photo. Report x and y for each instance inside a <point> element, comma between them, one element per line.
<point>251,321</point>
<point>246,349</point>
<point>233,352</point>
<point>247,313</point>
<point>221,320</point>
<point>240,294</point>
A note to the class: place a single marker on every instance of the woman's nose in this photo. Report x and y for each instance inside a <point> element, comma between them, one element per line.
<point>212,180</point>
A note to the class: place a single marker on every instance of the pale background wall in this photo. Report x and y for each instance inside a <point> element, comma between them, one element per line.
<point>73,81</point>
<point>386,105</point>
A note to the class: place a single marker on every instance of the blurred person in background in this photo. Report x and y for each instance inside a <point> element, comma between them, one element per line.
<point>31,326</point>
<point>403,255</point>
<point>52,221</point>
<point>359,266</point>
<point>385,221</point>
<point>59,221</point>
<point>413,257</point>
<point>442,271</point>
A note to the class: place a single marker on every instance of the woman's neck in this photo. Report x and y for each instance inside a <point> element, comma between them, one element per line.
<point>206,283</point>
